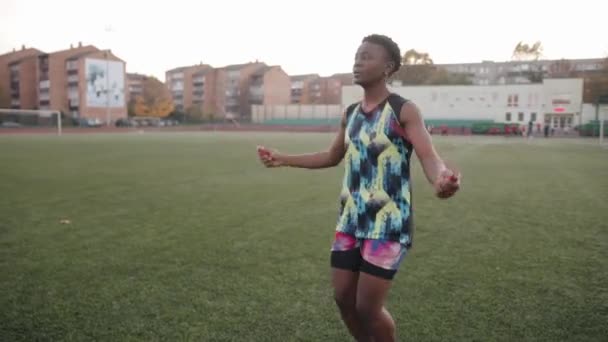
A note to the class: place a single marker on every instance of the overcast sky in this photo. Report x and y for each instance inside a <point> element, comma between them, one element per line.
<point>306,36</point>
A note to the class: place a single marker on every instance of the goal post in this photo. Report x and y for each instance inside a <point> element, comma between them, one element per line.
<point>602,111</point>
<point>30,118</point>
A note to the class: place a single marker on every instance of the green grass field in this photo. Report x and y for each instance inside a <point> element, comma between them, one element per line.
<point>180,237</point>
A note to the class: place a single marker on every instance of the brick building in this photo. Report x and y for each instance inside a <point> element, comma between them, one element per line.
<point>81,82</point>
<point>18,79</point>
<point>192,86</point>
<point>328,90</point>
<point>229,90</point>
<point>301,90</point>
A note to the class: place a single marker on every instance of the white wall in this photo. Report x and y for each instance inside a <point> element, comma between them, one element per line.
<point>261,113</point>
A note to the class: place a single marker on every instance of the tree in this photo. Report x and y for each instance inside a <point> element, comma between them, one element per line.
<point>156,99</point>
<point>525,52</point>
<point>418,68</point>
<point>413,57</point>
<point>528,52</point>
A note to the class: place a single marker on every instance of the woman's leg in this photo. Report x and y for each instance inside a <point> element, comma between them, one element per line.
<point>345,295</point>
<point>371,294</point>
<point>345,263</point>
<point>381,259</point>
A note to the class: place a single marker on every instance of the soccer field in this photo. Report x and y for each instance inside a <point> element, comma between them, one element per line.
<point>180,237</point>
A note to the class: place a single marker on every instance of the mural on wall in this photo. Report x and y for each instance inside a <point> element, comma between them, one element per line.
<point>105,83</point>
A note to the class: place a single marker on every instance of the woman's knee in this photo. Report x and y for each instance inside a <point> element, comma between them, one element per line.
<point>345,300</point>
<point>367,310</point>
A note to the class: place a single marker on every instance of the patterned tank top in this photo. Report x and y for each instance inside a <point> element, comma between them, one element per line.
<point>375,201</point>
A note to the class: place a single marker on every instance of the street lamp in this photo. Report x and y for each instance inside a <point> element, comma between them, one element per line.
<point>108,115</point>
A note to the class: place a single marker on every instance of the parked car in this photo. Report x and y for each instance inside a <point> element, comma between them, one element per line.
<point>10,124</point>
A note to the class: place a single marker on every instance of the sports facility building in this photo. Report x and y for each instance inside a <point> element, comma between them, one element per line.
<point>555,102</point>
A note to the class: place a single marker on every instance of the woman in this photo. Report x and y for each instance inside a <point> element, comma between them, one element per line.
<point>375,227</point>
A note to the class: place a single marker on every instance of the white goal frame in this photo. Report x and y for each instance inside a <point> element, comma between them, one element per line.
<point>39,112</point>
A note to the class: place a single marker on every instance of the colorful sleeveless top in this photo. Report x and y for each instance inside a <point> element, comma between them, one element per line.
<point>375,201</point>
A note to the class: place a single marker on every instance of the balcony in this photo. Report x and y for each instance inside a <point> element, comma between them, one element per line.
<point>44,97</point>
<point>232,92</point>
<point>72,79</point>
<point>73,104</point>
<point>72,96</point>
<point>256,91</point>
<point>178,76</point>
<point>256,100</point>
<point>177,86</point>
<point>199,80</point>
<point>231,101</point>
<point>71,65</point>
<point>46,84</point>
<point>136,88</point>
<point>15,102</point>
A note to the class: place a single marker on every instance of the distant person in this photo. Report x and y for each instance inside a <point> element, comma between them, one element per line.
<point>546,131</point>
<point>377,137</point>
<point>530,129</point>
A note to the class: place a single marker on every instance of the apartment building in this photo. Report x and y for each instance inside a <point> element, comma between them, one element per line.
<point>135,85</point>
<point>269,85</point>
<point>81,82</point>
<point>84,81</point>
<point>18,79</point>
<point>192,86</point>
<point>232,88</point>
<point>516,72</point>
<point>301,90</point>
<point>328,90</point>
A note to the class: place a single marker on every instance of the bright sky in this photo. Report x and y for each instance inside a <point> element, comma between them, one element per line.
<point>306,36</point>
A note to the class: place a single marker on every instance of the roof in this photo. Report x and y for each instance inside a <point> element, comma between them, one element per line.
<point>241,66</point>
<point>261,71</point>
<point>303,77</point>
<point>18,55</point>
<point>515,62</point>
<point>136,76</point>
<point>204,67</point>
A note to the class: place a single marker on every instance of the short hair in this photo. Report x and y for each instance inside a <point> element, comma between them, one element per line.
<point>389,45</point>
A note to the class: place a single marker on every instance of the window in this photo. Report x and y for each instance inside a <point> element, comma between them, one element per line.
<point>520,116</point>
<point>533,117</point>
<point>508,117</point>
<point>512,100</point>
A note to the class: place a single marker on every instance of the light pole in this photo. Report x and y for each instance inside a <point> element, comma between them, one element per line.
<point>108,29</point>
<point>108,115</point>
